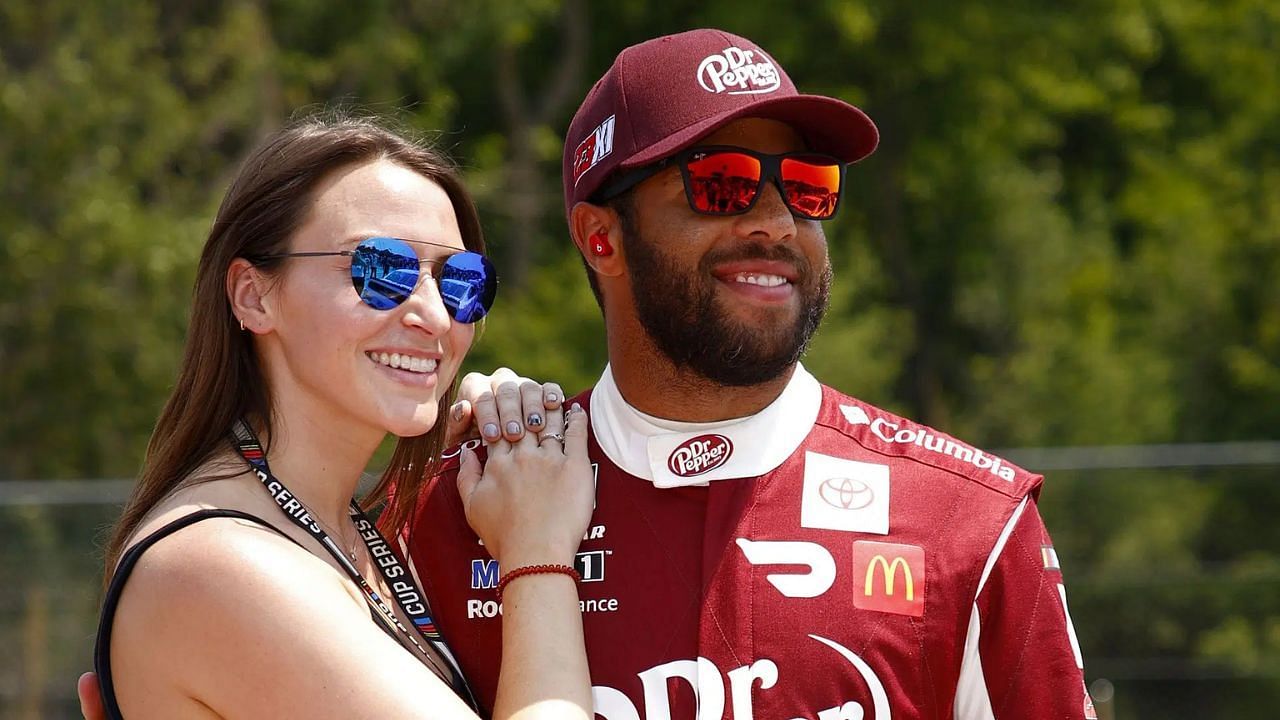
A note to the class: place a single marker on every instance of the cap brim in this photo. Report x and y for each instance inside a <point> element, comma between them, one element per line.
<point>827,125</point>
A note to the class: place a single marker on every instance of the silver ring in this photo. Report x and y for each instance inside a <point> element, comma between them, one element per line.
<point>554,436</point>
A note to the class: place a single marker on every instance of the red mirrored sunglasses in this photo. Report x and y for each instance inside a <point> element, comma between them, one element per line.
<point>727,180</point>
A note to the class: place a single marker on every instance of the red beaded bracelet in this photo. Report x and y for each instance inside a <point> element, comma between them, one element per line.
<point>536,570</point>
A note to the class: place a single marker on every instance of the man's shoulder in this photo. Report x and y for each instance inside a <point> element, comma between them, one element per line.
<point>885,433</point>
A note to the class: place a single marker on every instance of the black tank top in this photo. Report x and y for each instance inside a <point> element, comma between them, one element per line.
<point>102,648</point>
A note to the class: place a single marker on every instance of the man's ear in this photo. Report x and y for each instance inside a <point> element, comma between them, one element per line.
<point>246,290</point>
<point>597,233</point>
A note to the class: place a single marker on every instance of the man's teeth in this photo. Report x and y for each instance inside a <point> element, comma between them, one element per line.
<point>403,362</point>
<point>759,279</point>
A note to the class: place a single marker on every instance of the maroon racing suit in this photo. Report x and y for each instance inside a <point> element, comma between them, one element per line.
<point>821,559</point>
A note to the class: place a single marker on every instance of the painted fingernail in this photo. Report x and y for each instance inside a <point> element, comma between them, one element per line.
<point>552,397</point>
<point>457,411</point>
<point>576,408</point>
<point>513,428</point>
<point>490,430</point>
<point>534,419</point>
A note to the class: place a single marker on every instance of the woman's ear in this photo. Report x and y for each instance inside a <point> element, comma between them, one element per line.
<point>596,232</point>
<point>246,290</point>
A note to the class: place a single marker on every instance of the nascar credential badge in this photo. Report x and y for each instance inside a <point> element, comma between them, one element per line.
<point>842,494</point>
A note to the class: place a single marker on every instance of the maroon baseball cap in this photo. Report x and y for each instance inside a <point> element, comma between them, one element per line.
<point>660,96</point>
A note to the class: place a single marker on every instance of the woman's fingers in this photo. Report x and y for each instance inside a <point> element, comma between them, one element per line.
<point>552,395</point>
<point>477,391</point>
<point>90,697</point>
<point>468,476</point>
<point>533,406</point>
<point>460,428</point>
<point>575,432</point>
<point>554,427</point>
<point>506,405</point>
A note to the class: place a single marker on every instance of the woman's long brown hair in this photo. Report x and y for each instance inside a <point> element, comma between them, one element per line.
<point>220,378</point>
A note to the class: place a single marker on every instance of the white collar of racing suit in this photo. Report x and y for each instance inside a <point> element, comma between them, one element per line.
<point>642,444</point>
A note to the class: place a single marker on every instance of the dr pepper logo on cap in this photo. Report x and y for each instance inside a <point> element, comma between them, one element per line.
<point>700,455</point>
<point>738,72</point>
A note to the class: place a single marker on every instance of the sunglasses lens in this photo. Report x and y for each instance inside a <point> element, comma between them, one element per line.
<point>812,186</point>
<point>723,182</point>
<point>384,272</point>
<point>468,285</point>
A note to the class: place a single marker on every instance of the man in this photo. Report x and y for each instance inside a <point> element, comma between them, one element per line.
<point>763,546</point>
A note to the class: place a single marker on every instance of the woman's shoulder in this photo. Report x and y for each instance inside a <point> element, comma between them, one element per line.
<point>223,558</point>
<point>217,538</point>
<point>210,487</point>
<point>210,610</point>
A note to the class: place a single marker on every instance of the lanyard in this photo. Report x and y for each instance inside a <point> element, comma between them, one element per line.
<point>407,594</point>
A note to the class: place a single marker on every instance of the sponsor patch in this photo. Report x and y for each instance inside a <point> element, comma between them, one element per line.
<point>478,608</point>
<point>1089,712</point>
<point>735,71</point>
<point>855,415</point>
<point>700,455</point>
<point>1050,557</point>
<point>596,147</point>
<point>842,494</point>
<point>888,577</point>
<point>484,574</point>
<point>846,493</point>
<point>904,433</point>
<point>590,565</point>
<point>812,582</point>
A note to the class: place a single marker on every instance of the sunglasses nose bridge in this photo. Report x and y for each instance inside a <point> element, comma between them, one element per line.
<point>769,219</point>
<point>425,307</point>
<point>771,177</point>
<point>771,192</point>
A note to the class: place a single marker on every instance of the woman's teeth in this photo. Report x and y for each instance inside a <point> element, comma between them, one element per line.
<point>403,362</point>
<point>759,279</point>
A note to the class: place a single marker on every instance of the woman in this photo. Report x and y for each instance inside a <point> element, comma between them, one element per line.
<point>335,299</point>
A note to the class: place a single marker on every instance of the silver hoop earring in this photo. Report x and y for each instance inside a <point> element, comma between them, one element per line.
<point>242,325</point>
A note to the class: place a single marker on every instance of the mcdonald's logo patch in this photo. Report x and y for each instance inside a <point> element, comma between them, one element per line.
<point>888,577</point>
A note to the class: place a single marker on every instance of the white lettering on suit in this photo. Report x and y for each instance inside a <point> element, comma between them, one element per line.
<point>706,681</point>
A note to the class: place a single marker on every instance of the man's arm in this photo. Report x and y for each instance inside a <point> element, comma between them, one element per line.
<point>1021,657</point>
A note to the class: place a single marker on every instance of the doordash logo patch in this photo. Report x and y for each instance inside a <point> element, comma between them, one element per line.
<point>700,455</point>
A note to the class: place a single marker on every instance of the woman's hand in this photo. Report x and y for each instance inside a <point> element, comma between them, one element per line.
<point>90,697</point>
<point>533,501</point>
<point>502,405</point>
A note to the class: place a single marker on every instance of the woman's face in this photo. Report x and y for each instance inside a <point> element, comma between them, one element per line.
<point>335,357</point>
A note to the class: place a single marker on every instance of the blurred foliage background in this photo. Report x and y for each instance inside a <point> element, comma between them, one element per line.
<point>1070,235</point>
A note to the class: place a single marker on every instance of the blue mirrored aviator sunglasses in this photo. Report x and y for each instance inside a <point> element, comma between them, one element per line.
<point>385,271</point>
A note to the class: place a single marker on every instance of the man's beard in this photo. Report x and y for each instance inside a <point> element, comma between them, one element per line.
<point>677,306</point>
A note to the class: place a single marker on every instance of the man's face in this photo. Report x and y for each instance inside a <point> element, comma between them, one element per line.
<point>735,299</point>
